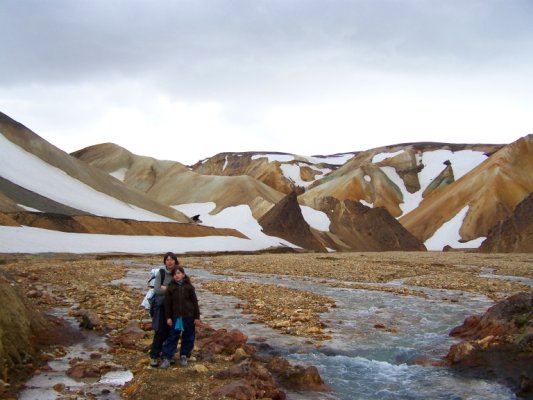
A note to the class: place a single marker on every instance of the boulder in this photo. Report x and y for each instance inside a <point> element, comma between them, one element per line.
<point>498,344</point>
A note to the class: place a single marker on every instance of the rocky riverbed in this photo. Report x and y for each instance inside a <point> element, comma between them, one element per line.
<point>81,284</point>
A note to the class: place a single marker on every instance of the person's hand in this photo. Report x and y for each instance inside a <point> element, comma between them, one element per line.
<point>197,322</point>
<point>169,322</point>
<point>163,287</point>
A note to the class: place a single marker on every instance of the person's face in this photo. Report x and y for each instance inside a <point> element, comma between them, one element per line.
<point>178,275</point>
<point>169,263</point>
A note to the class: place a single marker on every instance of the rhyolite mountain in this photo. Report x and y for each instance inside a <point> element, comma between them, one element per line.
<point>409,196</point>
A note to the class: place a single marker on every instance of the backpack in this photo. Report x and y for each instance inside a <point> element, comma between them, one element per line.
<point>149,297</point>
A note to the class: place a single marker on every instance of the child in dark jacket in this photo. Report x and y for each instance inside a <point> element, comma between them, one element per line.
<point>183,314</point>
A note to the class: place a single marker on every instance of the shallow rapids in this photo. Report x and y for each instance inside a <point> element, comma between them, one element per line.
<point>362,361</point>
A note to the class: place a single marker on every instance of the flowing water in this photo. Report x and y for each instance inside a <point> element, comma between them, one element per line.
<point>41,386</point>
<point>360,361</point>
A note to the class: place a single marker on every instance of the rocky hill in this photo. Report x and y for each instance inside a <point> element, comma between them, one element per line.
<point>515,233</point>
<point>19,186</point>
<point>488,193</point>
<point>408,196</point>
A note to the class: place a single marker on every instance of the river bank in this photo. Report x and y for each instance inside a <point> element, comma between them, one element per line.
<point>271,296</point>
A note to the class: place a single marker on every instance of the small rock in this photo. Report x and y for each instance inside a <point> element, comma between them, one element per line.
<point>200,368</point>
<point>59,387</point>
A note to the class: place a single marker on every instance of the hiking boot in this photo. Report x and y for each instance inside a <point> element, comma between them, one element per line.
<point>154,362</point>
<point>165,363</point>
<point>183,361</point>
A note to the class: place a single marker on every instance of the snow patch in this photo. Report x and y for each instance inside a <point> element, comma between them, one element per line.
<point>36,240</point>
<point>120,174</point>
<point>366,203</point>
<point>225,163</point>
<point>339,159</point>
<point>238,217</point>
<point>28,208</point>
<point>448,234</point>
<point>16,164</point>
<point>383,156</point>
<point>316,219</point>
<point>462,162</point>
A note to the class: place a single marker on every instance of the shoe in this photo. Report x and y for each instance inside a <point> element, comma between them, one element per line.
<point>165,363</point>
<point>183,361</point>
<point>154,362</point>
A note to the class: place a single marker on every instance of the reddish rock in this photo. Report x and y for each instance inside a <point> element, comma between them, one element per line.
<point>499,344</point>
<point>459,352</point>
<point>89,319</point>
<point>297,377</point>
<point>129,336</point>
<point>240,390</point>
<point>82,369</point>
<point>221,341</point>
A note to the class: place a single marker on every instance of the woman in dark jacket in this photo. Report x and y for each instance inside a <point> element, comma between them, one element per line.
<point>159,324</point>
<point>183,314</point>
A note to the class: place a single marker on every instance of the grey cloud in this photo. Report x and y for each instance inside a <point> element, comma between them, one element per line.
<point>206,47</point>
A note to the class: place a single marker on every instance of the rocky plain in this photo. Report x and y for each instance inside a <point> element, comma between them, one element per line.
<point>497,345</point>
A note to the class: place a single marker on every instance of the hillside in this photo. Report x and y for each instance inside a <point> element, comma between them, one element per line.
<point>411,196</point>
<point>481,198</point>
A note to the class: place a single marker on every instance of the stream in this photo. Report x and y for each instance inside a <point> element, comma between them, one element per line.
<point>360,361</point>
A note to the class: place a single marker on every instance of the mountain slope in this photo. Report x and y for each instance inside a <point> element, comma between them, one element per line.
<point>283,172</point>
<point>286,220</point>
<point>489,193</point>
<point>171,183</point>
<point>515,233</point>
<point>398,177</point>
<point>36,166</point>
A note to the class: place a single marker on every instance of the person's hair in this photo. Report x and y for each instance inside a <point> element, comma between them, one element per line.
<point>171,255</point>
<point>186,278</point>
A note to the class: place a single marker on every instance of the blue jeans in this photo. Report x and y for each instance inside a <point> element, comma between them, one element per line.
<point>161,333</point>
<point>187,339</point>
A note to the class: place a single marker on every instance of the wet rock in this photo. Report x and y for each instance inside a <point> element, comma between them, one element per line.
<point>83,369</point>
<point>251,375</point>
<point>240,390</point>
<point>459,352</point>
<point>129,336</point>
<point>497,344</point>
<point>239,355</point>
<point>221,341</point>
<point>89,319</point>
<point>59,387</point>
<point>297,377</point>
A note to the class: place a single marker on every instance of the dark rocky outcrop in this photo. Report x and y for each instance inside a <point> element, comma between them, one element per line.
<point>361,228</point>
<point>498,344</point>
<point>515,233</point>
<point>285,220</point>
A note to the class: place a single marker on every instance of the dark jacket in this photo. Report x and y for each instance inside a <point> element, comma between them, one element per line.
<point>181,301</point>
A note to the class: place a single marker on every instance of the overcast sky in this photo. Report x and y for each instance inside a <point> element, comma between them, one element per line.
<point>185,80</point>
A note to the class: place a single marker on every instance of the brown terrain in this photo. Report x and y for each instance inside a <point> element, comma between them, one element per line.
<point>225,364</point>
<point>91,176</point>
<point>492,190</point>
<point>514,233</point>
<point>111,226</point>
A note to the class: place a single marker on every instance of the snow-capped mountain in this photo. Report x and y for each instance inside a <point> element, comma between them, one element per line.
<point>397,197</point>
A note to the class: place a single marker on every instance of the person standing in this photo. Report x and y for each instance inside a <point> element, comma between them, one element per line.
<point>159,324</point>
<point>182,316</point>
